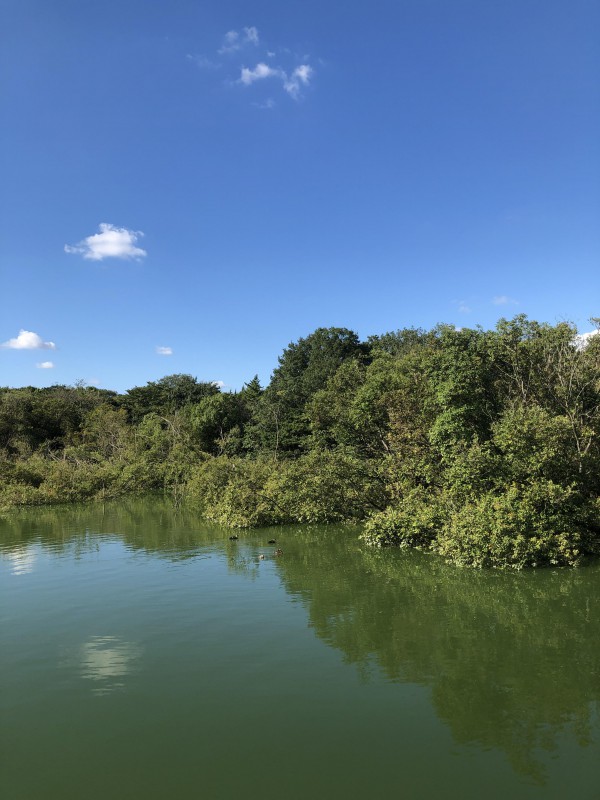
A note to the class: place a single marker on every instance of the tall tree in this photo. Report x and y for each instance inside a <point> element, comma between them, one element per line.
<point>304,368</point>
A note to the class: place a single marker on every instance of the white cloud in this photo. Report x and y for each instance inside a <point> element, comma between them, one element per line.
<point>259,72</point>
<point>292,84</point>
<point>111,242</point>
<point>293,78</point>
<point>28,340</point>
<point>504,300</point>
<point>164,351</point>
<point>218,384</point>
<point>464,308</point>
<point>303,73</point>
<point>300,77</point>
<point>583,339</point>
<point>234,40</point>
<point>45,365</point>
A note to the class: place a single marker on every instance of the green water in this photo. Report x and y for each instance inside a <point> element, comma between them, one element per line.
<point>145,655</point>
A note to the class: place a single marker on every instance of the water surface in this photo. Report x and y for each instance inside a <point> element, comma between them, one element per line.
<point>143,654</point>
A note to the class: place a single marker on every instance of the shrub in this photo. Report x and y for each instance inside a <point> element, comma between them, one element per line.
<point>327,486</point>
<point>536,524</point>
<point>233,492</point>
<point>415,522</point>
<point>319,487</point>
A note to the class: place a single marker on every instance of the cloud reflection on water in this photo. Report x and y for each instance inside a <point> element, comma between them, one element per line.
<point>21,559</point>
<point>107,660</point>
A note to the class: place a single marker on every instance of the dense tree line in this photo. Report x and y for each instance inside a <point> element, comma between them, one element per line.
<point>480,445</point>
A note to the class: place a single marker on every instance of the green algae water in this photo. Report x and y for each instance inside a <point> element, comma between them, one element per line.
<point>144,654</point>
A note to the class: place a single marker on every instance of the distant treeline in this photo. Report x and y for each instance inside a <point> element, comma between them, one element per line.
<point>483,446</point>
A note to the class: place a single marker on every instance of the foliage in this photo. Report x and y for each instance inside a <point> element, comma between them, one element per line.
<point>328,486</point>
<point>31,418</point>
<point>483,446</point>
<point>540,523</point>
<point>304,368</point>
<point>166,396</point>
<point>236,492</point>
<point>318,487</point>
<point>415,523</point>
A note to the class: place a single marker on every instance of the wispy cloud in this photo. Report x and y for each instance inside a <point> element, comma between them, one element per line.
<point>111,242</point>
<point>45,365</point>
<point>300,77</point>
<point>231,43</point>
<point>292,84</point>
<point>203,62</point>
<point>28,340</point>
<point>164,351</point>
<point>268,103</point>
<point>251,35</point>
<point>236,40</point>
<point>504,300</point>
<point>464,308</point>
<point>292,77</point>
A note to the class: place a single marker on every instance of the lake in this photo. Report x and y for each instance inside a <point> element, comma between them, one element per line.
<point>144,654</point>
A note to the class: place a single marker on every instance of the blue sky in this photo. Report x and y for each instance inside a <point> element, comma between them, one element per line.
<point>217,179</point>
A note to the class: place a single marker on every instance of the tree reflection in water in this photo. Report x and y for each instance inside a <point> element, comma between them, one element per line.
<point>511,659</point>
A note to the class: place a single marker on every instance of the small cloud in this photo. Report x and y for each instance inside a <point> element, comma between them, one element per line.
<point>45,365</point>
<point>269,103</point>
<point>235,40</point>
<point>300,77</point>
<point>164,351</point>
<point>28,340</point>
<point>292,84</point>
<point>504,300</point>
<point>259,72</point>
<point>218,384</point>
<point>251,35</point>
<point>202,62</point>
<point>111,242</point>
<point>464,308</point>
<point>231,42</point>
<point>292,79</point>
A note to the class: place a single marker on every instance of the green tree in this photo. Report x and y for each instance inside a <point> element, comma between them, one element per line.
<point>165,396</point>
<point>304,367</point>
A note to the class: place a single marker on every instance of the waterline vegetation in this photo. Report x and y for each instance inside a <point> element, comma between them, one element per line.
<point>483,446</point>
